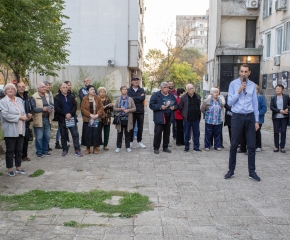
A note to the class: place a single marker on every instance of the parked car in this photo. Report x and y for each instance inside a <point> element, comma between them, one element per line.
<point>154,90</point>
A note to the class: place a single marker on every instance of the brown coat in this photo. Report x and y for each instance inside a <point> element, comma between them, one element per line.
<point>131,108</point>
<point>86,107</point>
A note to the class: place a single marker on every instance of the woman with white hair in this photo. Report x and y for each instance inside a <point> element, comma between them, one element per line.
<point>212,110</point>
<point>106,117</point>
<point>13,120</point>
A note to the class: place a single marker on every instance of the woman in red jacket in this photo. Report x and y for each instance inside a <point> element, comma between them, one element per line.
<point>179,120</point>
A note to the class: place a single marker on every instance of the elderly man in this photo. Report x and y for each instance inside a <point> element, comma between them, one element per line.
<point>29,112</point>
<point>189,106</point>
<point>42,118</point>
<point>164,105</point>
<point>83,91</point>
<point>65,111</point>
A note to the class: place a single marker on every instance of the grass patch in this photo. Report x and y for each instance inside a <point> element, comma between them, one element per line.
<point>137,187</point>
<point>79,170</point>
<point>37,173</point>
<point>5,187</point>
<point>1,173</point>
<point>131,203</point>
<point>81,225</point>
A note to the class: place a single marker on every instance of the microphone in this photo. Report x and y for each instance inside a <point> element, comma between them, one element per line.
<point>244,90</point>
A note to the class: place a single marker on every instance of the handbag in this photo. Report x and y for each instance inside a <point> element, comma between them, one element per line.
<point>28,134</point>
<point>117,120</point>
<point>70,123</point>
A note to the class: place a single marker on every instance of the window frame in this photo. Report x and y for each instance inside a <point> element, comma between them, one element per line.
<point>266,41</point>
<point>267,8</point>
<point>285,36</point>
<point>281,40</point>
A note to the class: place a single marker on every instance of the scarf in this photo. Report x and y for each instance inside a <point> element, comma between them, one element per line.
<point>122,103</point>
<point>85,92</point>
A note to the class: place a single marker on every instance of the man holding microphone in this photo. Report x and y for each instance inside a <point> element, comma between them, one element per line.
<point>242,97</point>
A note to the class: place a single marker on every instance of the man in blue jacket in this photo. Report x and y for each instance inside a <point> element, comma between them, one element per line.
<point>164,105</point>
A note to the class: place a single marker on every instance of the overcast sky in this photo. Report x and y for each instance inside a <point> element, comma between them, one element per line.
<point>160,14</point>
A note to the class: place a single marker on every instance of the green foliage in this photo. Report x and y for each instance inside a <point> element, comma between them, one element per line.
<point>54,88</point>
<point>31,91</point>
<point>130,204</point>
<point>33,36</point>
<point>37,173</point>
<point>1,134</point>
<point>1,174</point>
<point>79,225</point>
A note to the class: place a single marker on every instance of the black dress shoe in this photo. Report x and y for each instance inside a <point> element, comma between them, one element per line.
<point>49,149</point>
<point>240,151</point>
<point>222,146</point>
<point>186,150</point>
<point>276,150</point>
<point>156,151</point>
<point>283,151</point>
<point>197,150</point>
<point>166,150</point>
<point>178,145</point>
<point>57,146</point>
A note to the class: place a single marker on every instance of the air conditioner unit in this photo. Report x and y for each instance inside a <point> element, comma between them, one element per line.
<point>111,63</point>
<point>252,4</point>
<point>277,61</point>
<point>281,5</point>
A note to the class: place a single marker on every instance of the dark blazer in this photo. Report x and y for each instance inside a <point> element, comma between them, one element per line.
<point>138,99</point>
<point>228,118</point>
<point>183,105</point>
<point>156,101</point>
<point>59,114</point>
<point>273,105</point>
<point>27,104</point>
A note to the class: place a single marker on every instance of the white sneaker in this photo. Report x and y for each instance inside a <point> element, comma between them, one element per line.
<point>131,144</point>
<point>141,145</point>
<point>129,150</point>
<point>68,143</point>
<point>118,150</point>
<point>258,150</point>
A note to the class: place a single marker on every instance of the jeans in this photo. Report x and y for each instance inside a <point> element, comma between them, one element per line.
<point>139,119</point>
<point>14,146</point>
<point>120,136</point>
<point>215,131</point>
<point>63,133</point>
<point>243,123</point>
<point>280,126</point>
<point>135,130</point>
<point>58,136</point>
<point>42,136</point>
<point>187,126</point>
<point>259,137</point>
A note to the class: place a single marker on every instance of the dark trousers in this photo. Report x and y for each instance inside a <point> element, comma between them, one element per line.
<point>63,136</point>
<point>243,142</point>
<point>187,126</point>
<point>221,136</point>
<point>280,126</point>
<point>120,137</point>
<point>14,146</point>
<point>230,132</point>
<point>158,130</point>
<point>212,131</point>
<point>243,123</point>
<point>139,117</point>
<point>259,137</point>
<point>179,132</point>
<point>174,129</point>
<point>25,147</point>
<point>106,129</point>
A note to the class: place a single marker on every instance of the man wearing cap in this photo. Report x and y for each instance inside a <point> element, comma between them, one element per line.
<point>138,95</point>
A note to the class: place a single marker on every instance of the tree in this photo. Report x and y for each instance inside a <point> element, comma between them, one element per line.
<point>153,59</point>
<point>33,36</point>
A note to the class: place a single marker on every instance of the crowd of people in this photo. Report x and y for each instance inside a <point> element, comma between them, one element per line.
<point>242,111</point>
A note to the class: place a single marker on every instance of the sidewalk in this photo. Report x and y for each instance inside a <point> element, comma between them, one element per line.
<point>191,198</point>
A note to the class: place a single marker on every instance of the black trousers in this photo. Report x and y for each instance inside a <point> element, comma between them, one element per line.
<point>179,132</point>
<point>14,146</point>
<point>158,130</point>
<point>63,136</point>
<point>120,137</point>
<point>243,123</point>
<point>230,132</point>
<point>25,147</point>
<point>259,137</point>
<point>139,117</point>
<point>280,126</point>
<point>174,129</point>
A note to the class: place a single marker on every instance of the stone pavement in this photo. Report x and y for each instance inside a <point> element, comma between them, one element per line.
<point>191,198</point>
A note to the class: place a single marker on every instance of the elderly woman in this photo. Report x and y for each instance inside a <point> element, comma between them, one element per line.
<point>106,117</point>
<point>92,108</point>
<point>13,120</point>
<point>124,107</point>
<point>212,110</point>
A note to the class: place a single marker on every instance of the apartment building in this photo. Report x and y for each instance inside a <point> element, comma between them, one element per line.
<point>106,41</point>
<point>192,31</point>
<point>253,32</point>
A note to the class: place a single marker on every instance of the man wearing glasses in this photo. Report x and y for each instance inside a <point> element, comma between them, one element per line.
<point>29,112</point>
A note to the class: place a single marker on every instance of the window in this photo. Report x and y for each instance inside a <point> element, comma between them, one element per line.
<point>268,45</point>
<point>279,34</point>
<point>196,41</point>
<point>201,25</point>
<point>267,10</point>
<point>287,36</point>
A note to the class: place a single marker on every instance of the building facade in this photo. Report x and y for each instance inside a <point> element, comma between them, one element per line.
<point>106,41</point>
<point>253,32</point>
<point>192,30</point>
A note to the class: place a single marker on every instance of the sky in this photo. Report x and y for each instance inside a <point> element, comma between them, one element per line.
<point>161,14</point>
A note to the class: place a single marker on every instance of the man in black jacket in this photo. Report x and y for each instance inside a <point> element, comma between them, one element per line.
<point>138,95</point>
<point>65,107</point>
<point>29,112</point>
<point>83,91</point>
